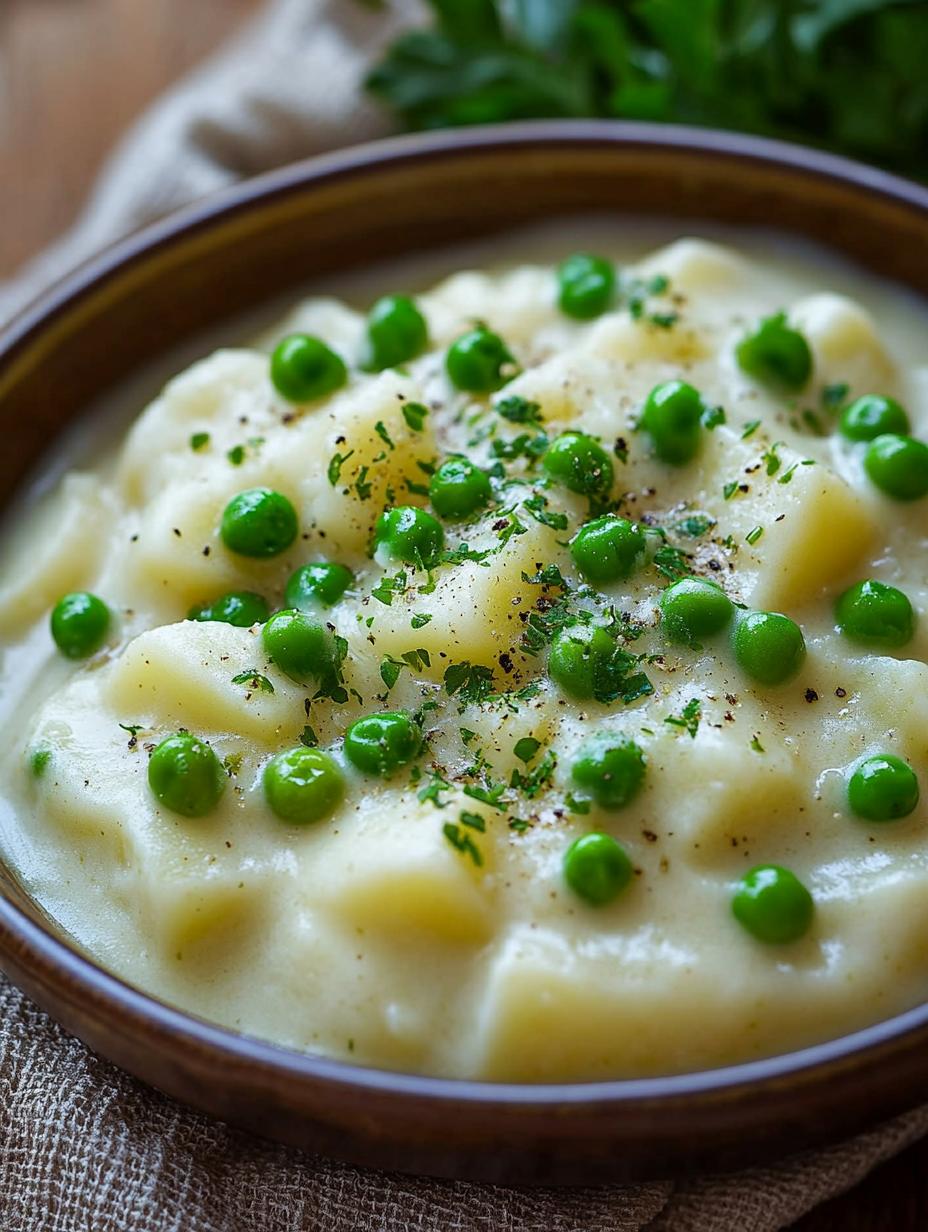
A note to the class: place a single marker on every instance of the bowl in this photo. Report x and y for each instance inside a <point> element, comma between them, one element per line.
<point>249,244</point>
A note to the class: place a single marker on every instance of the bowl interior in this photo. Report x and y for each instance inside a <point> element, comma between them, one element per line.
<point>245,247</point>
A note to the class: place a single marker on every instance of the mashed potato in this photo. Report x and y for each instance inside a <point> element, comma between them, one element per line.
<point>437,917</point>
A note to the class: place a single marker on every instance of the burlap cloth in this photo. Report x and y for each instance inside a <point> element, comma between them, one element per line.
<point>85,1148</point>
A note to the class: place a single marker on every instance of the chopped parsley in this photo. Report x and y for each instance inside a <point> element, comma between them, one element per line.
<point>387,587</point>
<point>754,534</point>
<point>420,619</point>
<point>336,462</point>
<point>520,411</point>
<point>381,429</point>
<point>537,507</point>
<point>462,842</point>
<point>236,455</point>
<point>254,680</point>
<point>689,718</point>
<point>526,748</point>
<point>39,761</point>
<point>415,415</point>
<point>199,441</point>
<point>469,682</point>
<point>390,669</point>
<point>750,428</point>
<point>308,737</point>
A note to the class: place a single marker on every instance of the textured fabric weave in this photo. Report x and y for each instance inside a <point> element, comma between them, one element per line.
<point>85,1148</point>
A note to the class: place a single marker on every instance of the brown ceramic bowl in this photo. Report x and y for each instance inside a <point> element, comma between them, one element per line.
<point>254,242</point>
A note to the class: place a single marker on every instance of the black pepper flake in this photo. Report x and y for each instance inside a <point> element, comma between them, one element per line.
<point>206,550</point>
<point>811,695</point>
<point>505,662</point>
<point>649,836</point>
<point>176,532</point>
<point>839,692</point>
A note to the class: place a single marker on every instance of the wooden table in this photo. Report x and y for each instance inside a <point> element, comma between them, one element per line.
<point>73,75</point>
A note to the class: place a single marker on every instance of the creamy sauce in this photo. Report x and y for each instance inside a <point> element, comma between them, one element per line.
<point>370,936</point>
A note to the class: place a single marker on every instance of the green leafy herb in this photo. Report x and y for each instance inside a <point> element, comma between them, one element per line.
<point>254,680</point>
<point>462,842</point>
<point>236,455</point>
<point>785,68</point>
<point>537,507</point>
<point>387,587</point>
<point>689,718</point>
<point>473,821</point>
<point>730,489</point>
<point>309,737</point>
<point>39,761</point>
<point>750,428</point>
<point>712,417</point>
<point>754,534</point>
<point>756,745</point>
<point>470,682</point>
<point>420,619</point>
<point>576,805</point>
<point>390,669</point>
<point>199,441</point>
<point>536,780</point>
<point>381,430</point>
<point>520,411</point>
<point>415,415</point>
<point>336,462</point>
<point>526,748</point>
<point>432,791</point>
<point>695,525</point>
<point>833,395</point>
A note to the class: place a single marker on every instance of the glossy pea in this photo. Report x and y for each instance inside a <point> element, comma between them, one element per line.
<point>186,776</point>
<point>459,488</point>
<point>259,522</point>
<point>597,869</point>
<point>769,647</point>
<point>580,656</point>
<point>898,465</point>
<point>303,785</point>
<point>409,534</point>
<point>479,362</point>
<point>579,463</point>
<point>611,771</point>
<point>380,744</point>
<point>302,648</point>
<point>873,416</point>
<point>586,285</point>
<point>882,788</point>
<point>608,549</point>
<point>80,622</point>
<point>773,905</point>
<point>242,608</point>
<point>693,609</point>
<point>396,332</point>
<point>303,368</point>
<point>776,354</point>
<point>672,418</point>
<point>875,614</point>
<point>320,584</point>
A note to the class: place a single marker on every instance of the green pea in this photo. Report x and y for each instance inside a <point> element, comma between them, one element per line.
<point>303,785</point>
<point>693,609</point>
<point>776,355</point>
<point>581,660</point>
<point>79,622</point>
<point>396,332</point>
<point>769,647</point>
<point>186,776</point>
<point>410,535</point>
<point>672,417</point>
<point>303,649</point>
<point>458,489</point>
<point>773,905</point>
<point>608,549</point>
<point>873,416</point>
<point>579,463</point>
<point>898,465</point>
<point>611,771</point>
<point>875,614</point>
<point>303,368</point>
<point>882,788</point>
<point>479,361</point>
<point>380,744</point>
<point>597,869</point>
<point>321,583</point>
<point>242,608</point>
<point>259,522</point>
<point>586,285</point>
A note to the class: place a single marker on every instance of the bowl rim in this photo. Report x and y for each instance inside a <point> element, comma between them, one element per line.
<point>53,963</point>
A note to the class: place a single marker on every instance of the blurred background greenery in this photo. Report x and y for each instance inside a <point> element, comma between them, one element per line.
<point>847,75</point>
